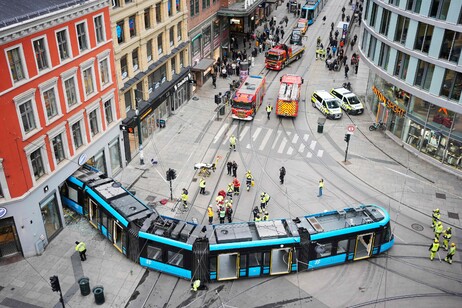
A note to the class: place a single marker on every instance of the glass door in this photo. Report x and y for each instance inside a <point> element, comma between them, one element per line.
<point>118,236</point>
<point>364,244</point>
<point>281,260</point>
<point>93,213</point>
<point>228,266</point>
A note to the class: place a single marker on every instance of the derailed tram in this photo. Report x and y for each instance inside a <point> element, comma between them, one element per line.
<point>225,251</point>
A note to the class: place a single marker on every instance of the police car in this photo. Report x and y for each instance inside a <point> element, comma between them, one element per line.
<point>327,104</point>
<point>349,101</point>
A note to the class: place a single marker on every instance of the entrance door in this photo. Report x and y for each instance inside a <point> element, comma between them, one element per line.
<point>178,98</point>
<point>118,236</point>
<point>9,244</point>
<point>364,245</point>
<point>281,260</point>
<point>93,213</point>
<point>228,266</point>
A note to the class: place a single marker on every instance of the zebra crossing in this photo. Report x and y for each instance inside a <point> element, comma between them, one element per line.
<point>263,138</point>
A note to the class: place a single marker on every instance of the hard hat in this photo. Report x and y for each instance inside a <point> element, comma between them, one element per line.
<point>449,228</point>
<point>436,240</point>
<point>437,210</point>
<point>440,223</point>
<point>453,244</point>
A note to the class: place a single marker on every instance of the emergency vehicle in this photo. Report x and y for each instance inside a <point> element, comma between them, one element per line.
<point>289,95</point>
<point>281,55</point>
<point>327,104</point>
<point>349,101</point>
<point>248,98</point>
<point>302,24</point>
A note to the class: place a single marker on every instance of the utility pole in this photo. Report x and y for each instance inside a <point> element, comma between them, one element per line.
<point>171,175</point>
<point>347,140</point>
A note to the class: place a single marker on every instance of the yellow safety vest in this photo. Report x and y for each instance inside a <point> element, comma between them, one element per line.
<point>81,247</point>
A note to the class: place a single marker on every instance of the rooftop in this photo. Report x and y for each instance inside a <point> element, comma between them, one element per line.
<point>13,12</point>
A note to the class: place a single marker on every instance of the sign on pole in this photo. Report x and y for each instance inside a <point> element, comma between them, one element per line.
<point>351,128</point>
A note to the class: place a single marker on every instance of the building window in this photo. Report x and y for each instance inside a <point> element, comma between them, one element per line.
<point>149,50</point>
<point>71,91</point>
<point>414,5</point>
<point>373,15</point>
<point>58,148</point>
<point>28,119</point>
<point>196,7</point>
<point>205,4</point>
<point>147,18</point>
<point>172,36</point>
<point>99,29</point>
<point>160,44</point>
<point>179,32</point>
<point>135,61</point>
<point>132,25</point>
<point>401,29</point>
<point>50,215</point>
<point>384,56</point>
<point>173,65</point>
<point>63,44</point>
<point>93,119</point>
<point>178,5</point>
<point>439,9</point>
<point>181,59</point>
<point>120,32</point>
<point>40,52</point>
<point>128,100</point>
<point>424,74</point>
<point>423,37</point>
<point>88,81</point>
<point>402,62</point>
<point>452,85</point>
<point>450,48</point>
<point>114,153</point>
<point>77,134</point>
<point>124,67</point>
<point>372,45</point>
<point>385,22</point>
<point>36,160</point>
<point>158,13</point>
<point>16,64</point>
<point>104,71</point>
<point>169,8</point>
<point>108,111</point>
<point>191,7</point>
<point>116,3</point>
<point>51,107</point>
<point>82,36</point>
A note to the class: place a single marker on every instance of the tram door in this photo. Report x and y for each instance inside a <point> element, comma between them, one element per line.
<point>118,234</point>
<point>364,245</point>
<point>93,213</point>
<point>281,261</point>
<point>228,266</point>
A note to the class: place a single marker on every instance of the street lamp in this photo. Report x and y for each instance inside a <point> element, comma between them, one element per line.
<point>140,139</point>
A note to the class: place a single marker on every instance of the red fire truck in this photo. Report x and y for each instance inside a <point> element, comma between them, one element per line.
<point>248,98</point>
<point>289,95</point>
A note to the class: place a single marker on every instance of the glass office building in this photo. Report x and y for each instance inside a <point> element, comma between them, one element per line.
<point>413,51</point>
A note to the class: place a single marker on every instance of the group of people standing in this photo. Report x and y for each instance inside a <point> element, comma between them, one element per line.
<point>438,229</point>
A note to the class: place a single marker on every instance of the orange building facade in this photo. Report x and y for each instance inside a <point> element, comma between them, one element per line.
<point>58,110</point>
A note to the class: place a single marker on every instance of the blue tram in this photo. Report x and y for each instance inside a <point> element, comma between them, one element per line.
<point>311,10</point>
<point>226,251</point>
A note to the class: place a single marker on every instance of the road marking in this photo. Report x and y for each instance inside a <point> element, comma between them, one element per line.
<point>265,139</point>
<point>290,150</point>
<point>276,139</point>
<point>257,132</point>
<point>248,146</point>
<point>301,148</point>
<point>320,152</point>
<point>309,155</point>
<point>295,139</point>
<point>313,144</point>
<point>244,131</point>
<point>305,137</point>
<point>283,145</point>
<point>220,132</point>
<point>229,133</point>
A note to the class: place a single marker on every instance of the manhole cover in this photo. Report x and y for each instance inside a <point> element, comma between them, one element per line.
<point>195,98</point>
<point>417,227</point>
<point>441,196</point>
<point>453,215</point>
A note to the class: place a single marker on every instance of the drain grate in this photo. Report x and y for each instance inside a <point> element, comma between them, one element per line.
<point>453,215</point>
<point>441,196</point>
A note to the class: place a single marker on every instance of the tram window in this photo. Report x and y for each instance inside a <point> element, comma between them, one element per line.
<point>266,259</point>
<point>243,261</point>
<point>154,253</point>
<point>254,259</point>
<point>387,236</point>
<point>73,194</point>
<point>213,264</point>
<point>175,258</point>
<point>104,219</point>
<point>342,246</point>
<point>323,250</point>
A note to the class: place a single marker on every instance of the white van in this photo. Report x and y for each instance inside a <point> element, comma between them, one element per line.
<point>349,101</point>
<point>327,104</point>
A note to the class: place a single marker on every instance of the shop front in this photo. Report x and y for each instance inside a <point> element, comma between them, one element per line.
<point>243,19</point>
<point>422,126</point>
<point>9,241</point>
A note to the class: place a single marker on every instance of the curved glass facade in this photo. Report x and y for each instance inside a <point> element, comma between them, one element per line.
<point>413,51</point>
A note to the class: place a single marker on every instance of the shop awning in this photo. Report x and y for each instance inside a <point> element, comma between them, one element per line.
<point>203,65</point>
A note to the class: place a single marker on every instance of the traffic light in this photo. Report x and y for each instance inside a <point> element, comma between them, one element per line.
<point>171,174</point>
<point>54,280</point>
<point>347,137</point>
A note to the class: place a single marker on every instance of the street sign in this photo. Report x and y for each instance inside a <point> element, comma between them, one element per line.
<point>351,128</point>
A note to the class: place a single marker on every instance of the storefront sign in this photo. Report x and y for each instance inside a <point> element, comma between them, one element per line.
<point>388,103</point>
<point>82,159</point>
<point>2,212</point>
<point>181,82</point>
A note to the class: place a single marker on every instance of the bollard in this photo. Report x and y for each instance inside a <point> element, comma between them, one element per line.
<point>84,284</point>
<point>99,295</point>
<point>321,122</point>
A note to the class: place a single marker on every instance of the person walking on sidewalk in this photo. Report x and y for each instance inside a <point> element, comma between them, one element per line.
<point>184,198</point>
<point>282,174</point>
<point>202,186</point>
<point>210,214</point>
<point>234,169</point>
<point>82,249</point>
<point>347,69</point>
<point>268,110</point>
<point>321,187</point>
<point>229,166</point>
<point>214,80</point>
<point>232,142</point>
<point>435,246</point>
<point>451,253</point>
<point>237,186</point>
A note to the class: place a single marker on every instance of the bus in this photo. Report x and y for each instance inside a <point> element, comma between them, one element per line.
<point>311,10</point>
<point>248,98</point>
<point>289,95</point>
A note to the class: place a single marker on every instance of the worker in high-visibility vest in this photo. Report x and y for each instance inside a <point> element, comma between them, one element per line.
<point>268,110</point>
<point>229,191</point>
<point>447,234</point>
<point>438,229</point>
<point>184,198</point>
<point>451,253</point>
<point>232,142</point>
<point>434,249</point>
<point>202,186</point>
<point>435,217</point>
<point>210,214</point>
<point>82,249</point>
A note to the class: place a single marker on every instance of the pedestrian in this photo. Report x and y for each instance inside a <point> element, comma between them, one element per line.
<point>334,50</point>
<point>268,110</point>
<point>210,214</point>
<point>229,213</point>
<point>347,68</point>
<point>202,186</point>
<point>451,253</point>
<point>343,9</point>
<point>324,20</point>
<point>435,217</point>
<point>343,16</point>
<point>356,68</point>
<point>234,169</point>
<point>262,202</point>
<point>197,285</point>
<point>321,187</point>
<point>282,34</point>
<point>266,216</point>
<point>184,198</point>
<point>229,191</point>
<point>229,166</point>
<point>214,80</point>
<point>434,247</point>
<point>82,249</point>
<point>447,234</point>
<point>237,186</point>
<point>332,26</point>
<point>438,229</point>
<point>232,143</point>
<point>282,174</point>
<point>257,219</point>
<point>222,214</point>
<point>286,19</point>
